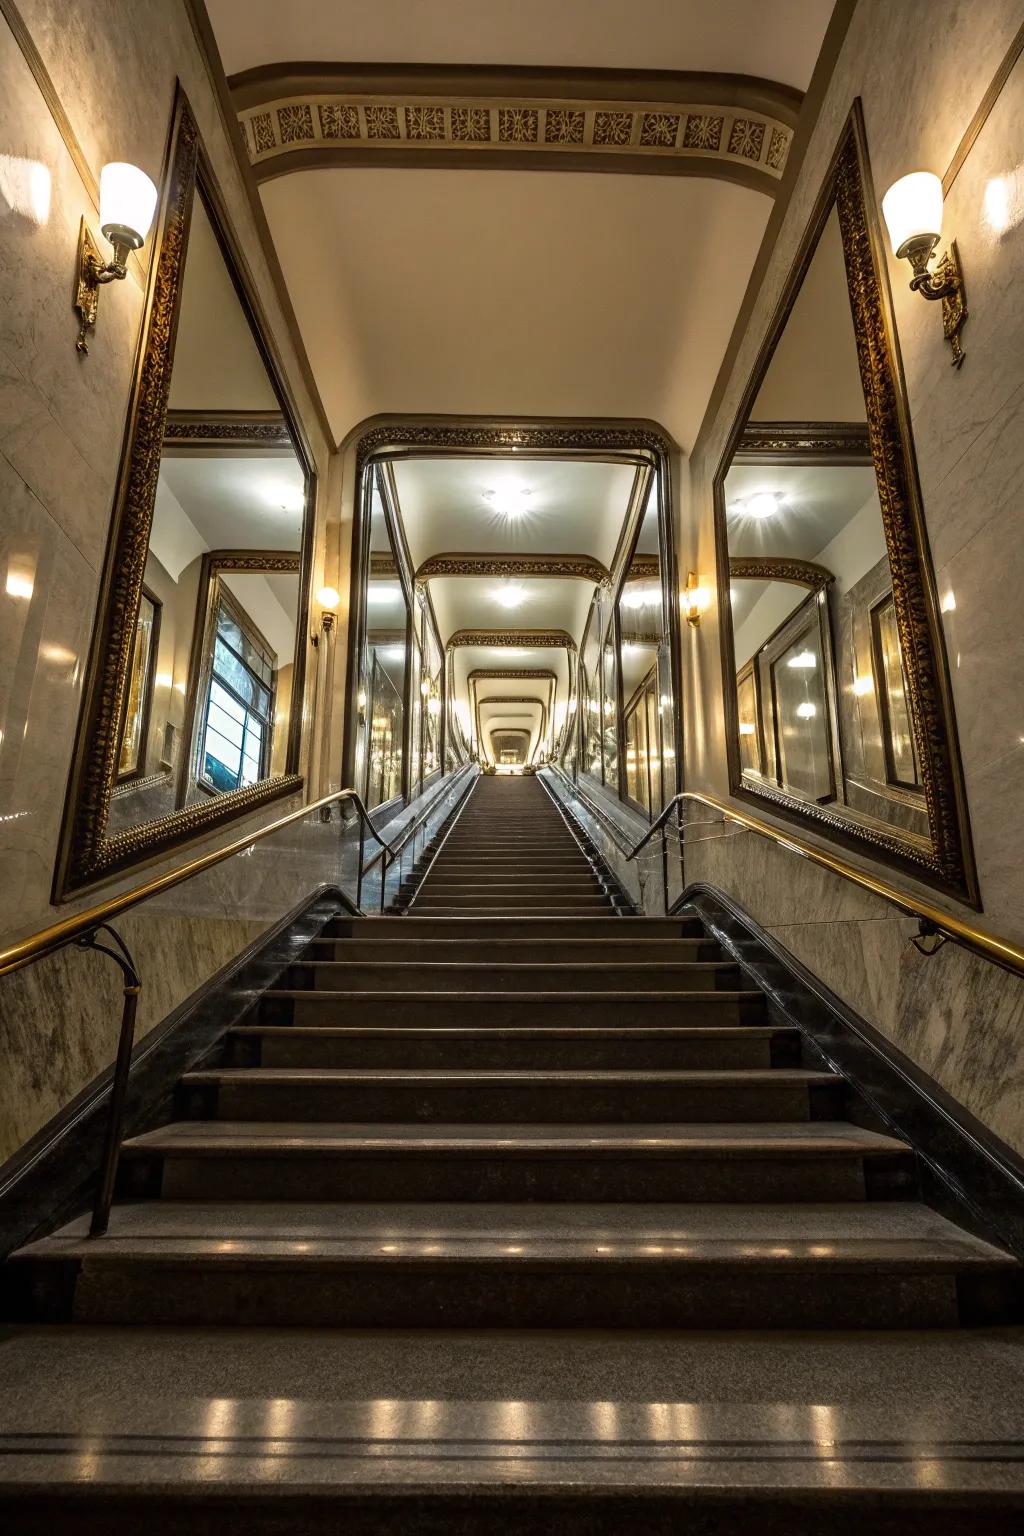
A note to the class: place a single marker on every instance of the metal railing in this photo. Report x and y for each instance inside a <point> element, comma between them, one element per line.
<point>934,924</point>
<point>391,854</point>
<point>89,928</point>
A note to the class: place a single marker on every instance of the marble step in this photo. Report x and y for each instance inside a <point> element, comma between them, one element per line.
<point>401,975</point>
<point>514,1266</point>
<point>609,926</point>
<point>496,951</point>
<point>541,880</point>
<point>423,1095</point>
<point>510,900</point>
<point>521,1046</point>
<point>220,1432</point>
<point>487,1008</point>
<point>231,1160</point>
<point>526,888</point>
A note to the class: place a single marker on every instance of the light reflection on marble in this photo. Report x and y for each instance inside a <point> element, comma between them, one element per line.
<point>640,1410</point>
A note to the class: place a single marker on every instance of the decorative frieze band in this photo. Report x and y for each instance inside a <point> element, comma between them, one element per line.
<point>344,128</point>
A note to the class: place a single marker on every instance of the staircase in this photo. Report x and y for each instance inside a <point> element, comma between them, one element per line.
<point>511,850</point>
<point>513,1109</point>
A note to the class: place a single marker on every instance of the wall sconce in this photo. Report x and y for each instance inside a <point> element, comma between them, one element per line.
<point>328,599</point>
<point>694,599</point>
<point>912,208</point>
<point>127,205</point>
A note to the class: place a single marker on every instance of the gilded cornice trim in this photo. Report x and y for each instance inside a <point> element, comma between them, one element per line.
<point>309,115</point>
<point>507,672</point>
<point>803,573</point>
<point>832,442</point>
<point>245,429</point>
<point>643,567</point>
<point>383,563</point>
<point>585,567</point>
<point>526,639</point>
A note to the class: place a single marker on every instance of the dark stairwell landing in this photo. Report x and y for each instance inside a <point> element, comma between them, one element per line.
<point>512,1110</point>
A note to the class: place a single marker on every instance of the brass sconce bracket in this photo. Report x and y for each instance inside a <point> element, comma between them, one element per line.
<point>92,272</point>
<point>945,282</point>
<point>327,621</point>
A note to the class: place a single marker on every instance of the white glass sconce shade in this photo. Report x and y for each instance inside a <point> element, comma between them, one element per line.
<point>127,202</point>
<point>912,209</point>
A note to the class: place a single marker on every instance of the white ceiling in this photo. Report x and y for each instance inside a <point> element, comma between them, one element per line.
<point>217,365</point>
<point>574,506</point>
<point>814,374</point>
<point>820,499</point>
<point>779,41</point>
<point>512,293</point>
<point>470,602</point>
<point>239,501</point>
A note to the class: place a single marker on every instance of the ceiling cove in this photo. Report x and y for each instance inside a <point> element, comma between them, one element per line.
<point>646,122</point>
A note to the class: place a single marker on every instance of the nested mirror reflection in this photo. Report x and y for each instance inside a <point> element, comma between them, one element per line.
<point>212,671</point>
<point>836,658</point>
<point>207,678</point>
<point>511,610</point>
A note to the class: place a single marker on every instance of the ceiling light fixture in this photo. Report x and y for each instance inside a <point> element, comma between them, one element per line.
<point>510,596</point>
<point>510,500</point>
<point>806,711</point>
<point>804,660</point>
<point>763,504</point>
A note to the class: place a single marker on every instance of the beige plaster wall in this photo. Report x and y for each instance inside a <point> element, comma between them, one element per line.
<point>921,77</point>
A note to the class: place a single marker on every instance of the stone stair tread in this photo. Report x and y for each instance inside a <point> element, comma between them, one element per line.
<point>780,1236</point>
<point>539,1032</point>
<point>217,1138</point>
<point>326,994</point>
<point>545,966</point>
<point>729,1077</point>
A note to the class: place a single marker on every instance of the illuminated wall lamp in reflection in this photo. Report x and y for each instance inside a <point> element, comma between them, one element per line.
<point>912,208</point>
<point>807,711</point>
<point>695,599</point>
<point>746,729</point>
<point>863,685</point>
<point>803,661</point>
<point>127,205</point>
<point>328,600</point>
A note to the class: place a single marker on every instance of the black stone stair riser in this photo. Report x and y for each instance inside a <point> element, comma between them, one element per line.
<point>622,1179</point>
<point>510,1103</point>
<point>494,952</point>
<point>477,1293</point>
<point>464,1008</point>
<point>451,978</point>
<point>391,930</point>
<point>725,1052</point>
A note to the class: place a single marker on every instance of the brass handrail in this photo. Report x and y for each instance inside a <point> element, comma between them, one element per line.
<point>84,930</point>
<point>49,940</point>
<point>411,830</point>
<point>933,920</point>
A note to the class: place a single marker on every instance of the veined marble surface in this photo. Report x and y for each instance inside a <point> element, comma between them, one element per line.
<point>959,1018</point>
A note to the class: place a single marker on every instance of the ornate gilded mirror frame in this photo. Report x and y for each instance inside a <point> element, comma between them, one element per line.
<point>88,853</point>
<point>639,443</point>
<point>946,859</point>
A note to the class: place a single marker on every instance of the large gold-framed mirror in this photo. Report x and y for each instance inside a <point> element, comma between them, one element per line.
<point>192,708</point>
<point>838,702</point>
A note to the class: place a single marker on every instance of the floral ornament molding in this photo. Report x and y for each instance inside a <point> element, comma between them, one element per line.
<point>297,117</point>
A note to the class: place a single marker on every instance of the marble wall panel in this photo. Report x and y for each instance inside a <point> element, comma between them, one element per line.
<point>921,76</point>
<point>114,69</point>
